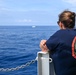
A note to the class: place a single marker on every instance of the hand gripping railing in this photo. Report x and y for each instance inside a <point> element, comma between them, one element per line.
<point>45,64</point>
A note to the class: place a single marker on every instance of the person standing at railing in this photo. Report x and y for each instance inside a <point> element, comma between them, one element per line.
<point>62,45</point>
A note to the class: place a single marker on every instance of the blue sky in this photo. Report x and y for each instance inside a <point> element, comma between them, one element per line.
<point>33,12</point>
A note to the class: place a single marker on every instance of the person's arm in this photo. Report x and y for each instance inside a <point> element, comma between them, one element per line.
<point>43,46</point>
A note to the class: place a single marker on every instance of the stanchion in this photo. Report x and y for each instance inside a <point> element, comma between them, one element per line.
<point>45,64</point>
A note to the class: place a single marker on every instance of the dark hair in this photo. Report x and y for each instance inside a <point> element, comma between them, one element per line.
<point>67,18</point>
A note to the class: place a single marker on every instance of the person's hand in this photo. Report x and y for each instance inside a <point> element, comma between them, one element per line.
<point>43,45</point>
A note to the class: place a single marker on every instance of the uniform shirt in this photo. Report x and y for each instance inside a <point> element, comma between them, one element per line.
<point>60,46</point>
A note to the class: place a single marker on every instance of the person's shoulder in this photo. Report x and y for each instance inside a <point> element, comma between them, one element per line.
<point>62,30</point>
<point>65,31</point>
<point>74,30</point>
<point>59,31</point>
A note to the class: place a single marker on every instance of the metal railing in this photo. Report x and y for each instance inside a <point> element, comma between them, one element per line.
<point>18,67</point>
<point>44,64</point>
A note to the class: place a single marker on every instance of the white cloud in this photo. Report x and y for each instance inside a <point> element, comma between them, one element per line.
<point>73,2</point>
<point>24,20</point>
<point>4,9</point>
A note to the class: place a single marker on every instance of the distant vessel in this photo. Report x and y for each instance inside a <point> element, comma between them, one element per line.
<point>33,26</point>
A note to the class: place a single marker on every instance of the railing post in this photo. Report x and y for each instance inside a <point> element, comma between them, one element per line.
<point>45,65</point>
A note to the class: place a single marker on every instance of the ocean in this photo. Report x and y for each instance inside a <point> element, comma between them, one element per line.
<point>19,45</point>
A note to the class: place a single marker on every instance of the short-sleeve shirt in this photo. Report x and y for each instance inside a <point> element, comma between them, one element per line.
<point>60,47</point>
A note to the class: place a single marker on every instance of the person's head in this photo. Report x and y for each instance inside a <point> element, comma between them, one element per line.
<point>67,19</point>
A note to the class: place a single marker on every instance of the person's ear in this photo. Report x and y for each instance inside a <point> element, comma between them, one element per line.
<point>61,25</point>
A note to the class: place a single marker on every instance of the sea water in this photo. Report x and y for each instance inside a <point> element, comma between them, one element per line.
<point>19,45</point>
